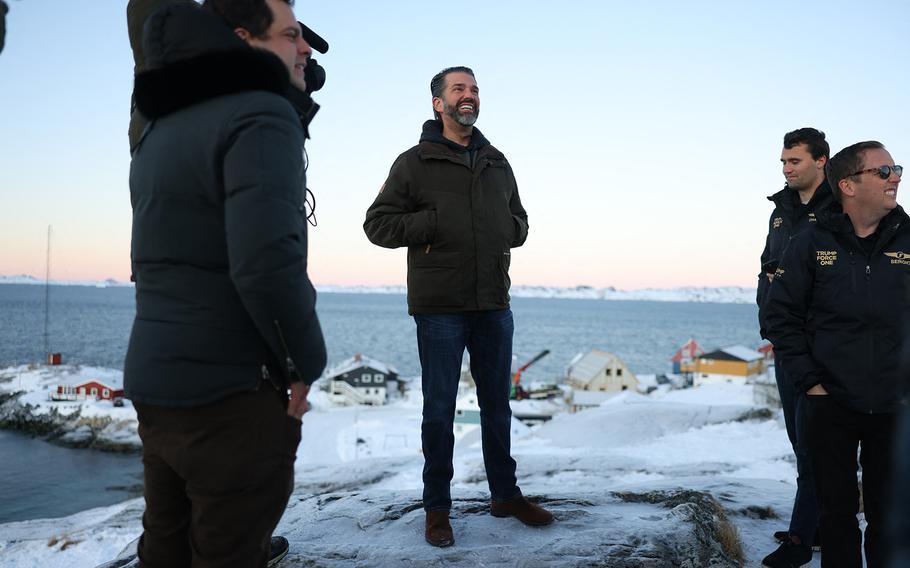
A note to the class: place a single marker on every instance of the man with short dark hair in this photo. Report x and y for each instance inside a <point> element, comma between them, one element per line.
<point>138,12</point>
<point>836,312</point>
<point>806,192</point>
<point>453,201</point>
<point>225,312</point>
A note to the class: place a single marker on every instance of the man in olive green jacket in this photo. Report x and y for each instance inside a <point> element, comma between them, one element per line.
<point>453,201</point>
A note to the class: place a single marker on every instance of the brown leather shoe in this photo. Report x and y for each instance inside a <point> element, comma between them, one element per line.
<point>523,510</point>
<point>439,531</point>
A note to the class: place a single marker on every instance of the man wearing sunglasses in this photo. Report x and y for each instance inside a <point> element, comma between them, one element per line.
<point>803,160</point>
<point>835,313</point>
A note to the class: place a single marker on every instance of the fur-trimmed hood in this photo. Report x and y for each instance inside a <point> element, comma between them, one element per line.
<point>192,56</point>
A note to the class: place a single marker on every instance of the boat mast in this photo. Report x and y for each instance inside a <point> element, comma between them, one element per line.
<point>47,294</point>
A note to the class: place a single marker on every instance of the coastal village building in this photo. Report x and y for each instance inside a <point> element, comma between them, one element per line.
<point>596,376</point>
<point>736,364</point>
<point>361,380</point>
<point>86,391</point>
<point>689,352</point>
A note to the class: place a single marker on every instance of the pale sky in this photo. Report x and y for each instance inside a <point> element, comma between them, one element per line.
<point>644,136</point>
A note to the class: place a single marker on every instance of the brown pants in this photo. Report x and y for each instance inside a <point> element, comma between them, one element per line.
<point>217,480</point>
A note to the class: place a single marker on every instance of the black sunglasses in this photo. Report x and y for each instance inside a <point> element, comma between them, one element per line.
<point>883,172</point>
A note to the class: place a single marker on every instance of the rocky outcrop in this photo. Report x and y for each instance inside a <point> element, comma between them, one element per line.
<point>658,529</point>
<point>68,429</point>
<point>713,539</point>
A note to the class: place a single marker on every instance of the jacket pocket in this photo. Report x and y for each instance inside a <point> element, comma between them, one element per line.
<point>435,278</point>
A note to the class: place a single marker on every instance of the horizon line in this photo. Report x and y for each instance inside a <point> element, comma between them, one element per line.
<point>27,279</point>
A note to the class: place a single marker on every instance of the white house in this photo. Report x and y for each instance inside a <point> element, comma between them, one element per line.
<point>600,371</point>
<point>361,380</point>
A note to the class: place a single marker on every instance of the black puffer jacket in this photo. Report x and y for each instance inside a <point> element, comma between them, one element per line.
<point>457,210</point>
<point>219,244</point>
<point>789,218</point>
<point>838,316</point>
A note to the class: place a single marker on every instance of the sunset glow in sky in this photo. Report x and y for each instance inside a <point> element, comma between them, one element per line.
<point>644,136</point>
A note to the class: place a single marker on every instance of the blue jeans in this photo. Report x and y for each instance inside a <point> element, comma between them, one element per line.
<point>441,341</point>
<point>804,519</point>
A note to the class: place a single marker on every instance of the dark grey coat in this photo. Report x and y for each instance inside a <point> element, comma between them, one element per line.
<point>219,246</point>
<point>458,212</point>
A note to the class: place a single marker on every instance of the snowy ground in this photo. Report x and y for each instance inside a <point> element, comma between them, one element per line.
<point>357,499</point>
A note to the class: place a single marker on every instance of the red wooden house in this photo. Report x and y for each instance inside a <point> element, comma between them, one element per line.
<point>85,391</point>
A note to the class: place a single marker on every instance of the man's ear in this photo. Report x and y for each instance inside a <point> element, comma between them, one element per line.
<point>437,104</point>
<point>821,162</point>
<point>243,34</point>
<point>846,187</point>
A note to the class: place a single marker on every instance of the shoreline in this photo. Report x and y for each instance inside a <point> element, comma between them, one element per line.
<point>697,294</point>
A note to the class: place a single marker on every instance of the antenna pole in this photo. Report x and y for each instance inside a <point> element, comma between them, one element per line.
<point>47,294</point>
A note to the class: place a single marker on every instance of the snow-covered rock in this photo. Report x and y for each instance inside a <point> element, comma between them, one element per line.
<point>638,481</point>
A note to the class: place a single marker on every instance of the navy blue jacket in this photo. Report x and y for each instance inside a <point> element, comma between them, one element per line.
<point>789,218</point>
<point>838,316</point>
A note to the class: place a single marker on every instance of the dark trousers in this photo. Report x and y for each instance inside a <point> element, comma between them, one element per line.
<point>900,504</point>
<point>804,519</point>
<point>217,480</point>
<point>441,342</point>
<point>835,433</point>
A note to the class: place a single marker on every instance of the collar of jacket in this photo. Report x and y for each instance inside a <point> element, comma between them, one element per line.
<point>433,145</point>
<point>789,199</point>
<point>432,132</point>
<point>835,220</point>
<point>305,106</point>
<point>192,56</point>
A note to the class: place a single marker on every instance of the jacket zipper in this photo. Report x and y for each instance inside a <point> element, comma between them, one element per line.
<point>289,363</point>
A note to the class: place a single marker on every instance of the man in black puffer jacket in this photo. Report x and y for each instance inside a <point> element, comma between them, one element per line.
<point>453,201</point>
<point>836,313</point>
<point>803,160</point>
<point>226,319</point>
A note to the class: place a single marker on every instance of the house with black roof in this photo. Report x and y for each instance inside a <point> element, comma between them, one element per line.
<point>361,380</point>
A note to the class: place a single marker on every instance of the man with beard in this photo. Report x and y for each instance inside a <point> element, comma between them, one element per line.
<point>453,201</point>
<point>836,312</point>
<point>225,312</point>
<point>804,157</point>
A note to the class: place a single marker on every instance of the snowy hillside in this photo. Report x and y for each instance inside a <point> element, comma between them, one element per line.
<point>26,279</point>
<point>723,294</point>
<point>638,481</point>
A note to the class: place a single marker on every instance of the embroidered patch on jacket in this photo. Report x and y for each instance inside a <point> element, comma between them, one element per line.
<point>899,257</point>
<point>777,222</point>
<point>826,257</point>
<point>812,218</point>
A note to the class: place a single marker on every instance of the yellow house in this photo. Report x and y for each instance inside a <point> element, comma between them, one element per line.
<point>735,364</point>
